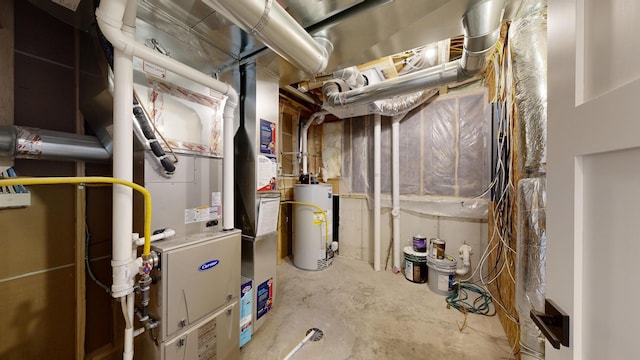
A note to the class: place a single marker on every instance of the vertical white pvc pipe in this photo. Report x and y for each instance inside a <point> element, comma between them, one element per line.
<point>123,169</point>
<point>376,192</point>
<point>122,158</point>
<point>305,137</point>
<point>395,170</point>
<point>305,134</point>
<point>228,179</point>
<point>128,330</point>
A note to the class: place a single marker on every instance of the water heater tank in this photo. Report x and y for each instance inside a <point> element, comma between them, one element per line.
<point>311,239</point>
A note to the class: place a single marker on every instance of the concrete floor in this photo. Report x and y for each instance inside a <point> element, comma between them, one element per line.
<point>369,315</point>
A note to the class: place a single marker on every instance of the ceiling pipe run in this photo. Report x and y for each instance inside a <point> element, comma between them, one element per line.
<point>481,22</point>
<point>272,25</point>
<point>31,143</point>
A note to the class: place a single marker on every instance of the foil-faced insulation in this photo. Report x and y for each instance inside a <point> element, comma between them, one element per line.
<point>528,38</point>
<point>530,262</point>
<point>445,157</point>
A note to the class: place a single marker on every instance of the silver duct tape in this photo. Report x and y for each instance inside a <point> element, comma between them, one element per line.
<point>530,262</point>
<point>528,36</point>
<point>29,143</point>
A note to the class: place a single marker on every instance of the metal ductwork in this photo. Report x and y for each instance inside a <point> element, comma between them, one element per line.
<point>30,143</point>
<point>481,22</point>
<point>270,23</point>
<point>481,25</point>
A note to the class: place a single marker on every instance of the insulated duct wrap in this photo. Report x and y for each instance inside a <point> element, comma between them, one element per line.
<point>528,36</point>
<point>530,262</point>
<point>401,105</point>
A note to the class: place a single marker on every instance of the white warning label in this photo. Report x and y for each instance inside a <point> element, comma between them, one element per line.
<point>198,214</point>
<point>208,341</point>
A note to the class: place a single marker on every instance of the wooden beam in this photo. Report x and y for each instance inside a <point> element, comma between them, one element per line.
<point>6,69</point>
<point>81,214</point>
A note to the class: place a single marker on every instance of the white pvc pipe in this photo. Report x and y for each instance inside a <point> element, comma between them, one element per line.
<point>109,16</point>
<point>128,330</point>
<point>465,258</point>
<point>395,170</point>
<point>122,168</point>
<point>139,241</point>
<point>228,204</point>
<point>376,192</point>
<point>305,136</point>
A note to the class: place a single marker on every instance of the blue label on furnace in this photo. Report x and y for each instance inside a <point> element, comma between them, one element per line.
<point>209,265</point>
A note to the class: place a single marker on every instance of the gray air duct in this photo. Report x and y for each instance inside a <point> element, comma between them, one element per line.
<point>30,143</point>
<point>270,23</point>
<point>481,23</point>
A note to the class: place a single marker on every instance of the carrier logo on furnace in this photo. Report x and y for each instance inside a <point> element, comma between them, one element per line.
<point>209,265</point>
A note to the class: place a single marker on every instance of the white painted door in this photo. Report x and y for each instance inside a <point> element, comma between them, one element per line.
<point>593,181</point>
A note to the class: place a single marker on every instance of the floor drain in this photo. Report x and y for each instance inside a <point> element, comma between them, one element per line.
<point>313,334</point>
<point>317,335</point>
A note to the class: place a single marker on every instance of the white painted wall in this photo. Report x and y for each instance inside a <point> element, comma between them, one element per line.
<point>356,231</point>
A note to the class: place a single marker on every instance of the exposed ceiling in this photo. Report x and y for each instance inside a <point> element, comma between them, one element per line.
<point>193,33</point>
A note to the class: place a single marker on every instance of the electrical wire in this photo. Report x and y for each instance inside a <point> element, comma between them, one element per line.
<point>502,188</point>
<point>461,301</point>
<point>87,263</point>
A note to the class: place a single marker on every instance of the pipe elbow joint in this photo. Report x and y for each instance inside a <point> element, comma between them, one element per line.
<point>465,252</point>
<point>331,93</point>
<point>326,50</point>
<point>463,271</point>
<point>111,31</point>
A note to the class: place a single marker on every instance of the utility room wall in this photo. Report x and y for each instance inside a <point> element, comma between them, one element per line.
<point>356,231</point>
<point>445,170</point>
<point>38,258</point>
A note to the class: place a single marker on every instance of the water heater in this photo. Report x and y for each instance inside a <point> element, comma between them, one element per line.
<point>312,230</point>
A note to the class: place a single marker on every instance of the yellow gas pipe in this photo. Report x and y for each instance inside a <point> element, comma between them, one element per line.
<point>94,180</point>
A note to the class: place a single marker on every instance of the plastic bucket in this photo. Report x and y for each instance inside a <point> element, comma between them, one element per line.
<point>415,265</point>
<point>442,275</point>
